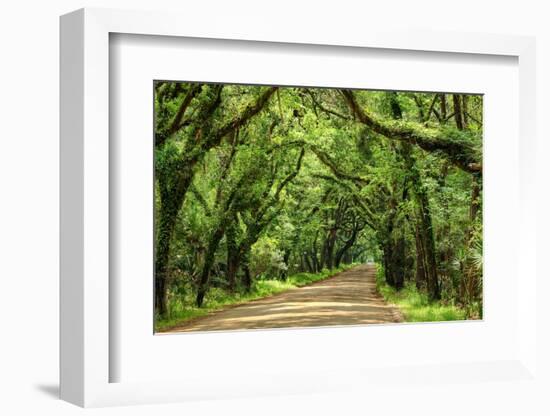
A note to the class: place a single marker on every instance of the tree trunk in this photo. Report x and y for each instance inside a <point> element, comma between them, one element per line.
<point>208,262</point>
<point>348,257</point>
<point>232,256</point>
<point>458,112</point>
<point>476,191</point>
<point>309,264</point>
<point>325,253</point>
<point>424,225</point>
<point>345,248</point>
<point>340,256</point>
<point>398,263</point>
<point>232,269</point>
<point>465,110</point>
<point>426,228</point>
<point>286,257</point>
<point>247,278</point>
<point>329,249</point>
<point>167,223</point>
<point>388,242</point>
<point>170,203</point>
<point>388,269</point>
<point>446,253</point>
<point>315,262</point>
<point>443,107</point>
<point>420,266</point>
<point>313,254</point>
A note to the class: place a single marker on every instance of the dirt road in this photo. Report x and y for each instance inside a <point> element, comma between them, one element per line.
<point>349,298</point>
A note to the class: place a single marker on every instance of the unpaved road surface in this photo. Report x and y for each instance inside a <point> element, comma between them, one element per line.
<point>349,298</point>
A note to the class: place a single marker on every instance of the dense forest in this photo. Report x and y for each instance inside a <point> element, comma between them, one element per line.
<point>260,183</point>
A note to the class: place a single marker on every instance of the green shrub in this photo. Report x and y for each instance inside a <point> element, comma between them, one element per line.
<point>415,305</point>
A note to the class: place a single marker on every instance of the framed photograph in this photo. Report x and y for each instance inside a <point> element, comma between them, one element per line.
<point>283,213</point>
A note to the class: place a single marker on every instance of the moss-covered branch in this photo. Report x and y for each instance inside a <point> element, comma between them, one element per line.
<point>456,146</point>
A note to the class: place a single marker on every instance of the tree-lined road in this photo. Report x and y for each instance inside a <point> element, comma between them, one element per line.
<point>349,298</point>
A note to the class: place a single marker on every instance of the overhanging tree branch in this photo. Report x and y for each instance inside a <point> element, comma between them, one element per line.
<point>246,115</point>
<point>292,175</point>
<point>370,219</point>
<point>317,104</point>
<point>331,164</point>
<point>194,89</point>
<point>460,153</point>
<point>275,198</point>
<point>177,123</point>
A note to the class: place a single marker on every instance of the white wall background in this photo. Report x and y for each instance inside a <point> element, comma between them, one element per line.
<point>29,206</point>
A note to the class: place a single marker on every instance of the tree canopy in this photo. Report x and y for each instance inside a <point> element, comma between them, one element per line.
<point>256,182</point>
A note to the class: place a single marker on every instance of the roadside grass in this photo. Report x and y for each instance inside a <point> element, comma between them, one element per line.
<point>182,309</point>
<point>414,305</point>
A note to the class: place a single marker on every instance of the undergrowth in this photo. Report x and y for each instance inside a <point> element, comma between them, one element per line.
<point>415,305</point>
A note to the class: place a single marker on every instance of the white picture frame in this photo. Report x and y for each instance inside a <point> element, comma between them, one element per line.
<point>85,164</point>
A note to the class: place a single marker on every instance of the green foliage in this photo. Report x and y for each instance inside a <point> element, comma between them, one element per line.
<point>289,185</point>
<point>266,258</point>
<point>415,305</point>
